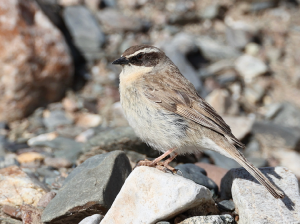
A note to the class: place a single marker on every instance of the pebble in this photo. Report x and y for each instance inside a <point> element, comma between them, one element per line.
<point>29,157</point>
<point>93,219</point>
<point>17,188</point>
<point>55,119</point>
<point>215,219</point>
<point>57,162</point>
<point>41,138</point>
<point>250,67</point>
<point>45,199</point>
<point>226,205</point>
<point>150,195</point>
<point>198,175</point>
<point>88,120</point>
<point>90,188</point>
<point>255,204</point>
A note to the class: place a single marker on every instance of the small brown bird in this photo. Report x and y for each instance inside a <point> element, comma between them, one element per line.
<point>166,112</point>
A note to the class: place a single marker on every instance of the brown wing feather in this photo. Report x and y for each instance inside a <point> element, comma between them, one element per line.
<point>187,103</point>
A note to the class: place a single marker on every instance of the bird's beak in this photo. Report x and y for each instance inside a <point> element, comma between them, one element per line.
<point>121,61</point>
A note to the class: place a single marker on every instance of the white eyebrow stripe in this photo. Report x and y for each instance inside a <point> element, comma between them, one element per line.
<point>145,50</point>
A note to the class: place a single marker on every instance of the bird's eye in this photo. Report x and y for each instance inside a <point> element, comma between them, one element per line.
<point>140,56</point>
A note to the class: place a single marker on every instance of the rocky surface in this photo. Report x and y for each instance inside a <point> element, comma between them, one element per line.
<point>146,199</point>
<point>222,219</point>
<point>90,189</point>
<point>40,56</point>
<point>255,204</point>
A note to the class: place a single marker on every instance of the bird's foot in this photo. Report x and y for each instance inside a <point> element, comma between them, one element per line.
<point>162,166</point>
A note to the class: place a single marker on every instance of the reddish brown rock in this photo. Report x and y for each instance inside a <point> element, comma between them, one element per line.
<point>213,172</point>
<point>31,215</point>
<point>35,65</point>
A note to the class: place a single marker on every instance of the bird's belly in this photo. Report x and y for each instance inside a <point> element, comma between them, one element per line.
<point>157,127</point>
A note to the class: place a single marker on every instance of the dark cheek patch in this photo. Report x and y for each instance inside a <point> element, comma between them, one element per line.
<point>149,60</point>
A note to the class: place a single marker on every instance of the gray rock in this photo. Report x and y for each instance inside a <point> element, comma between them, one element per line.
<point>176,50</point>
<point>90,188</point>
<point>214,50</point>
<point>281,136</point>
<point>56,118</point>
<point>85,30</point>
<point>150,195</point>
<point>215,219</point>
<point>258,161</point>
<point>121,138</point>
<point>226,205</point>
<point>64,148</point>
<point>198,175</point>
<point>6,161</point>
<point>163,222</point>
<point>255,204</point>
<point>239,37</point>
<point>115,21</point>
<point>222,161</point>
<point>93,219</point>
<point>288,115</point>
<point>210,12</point>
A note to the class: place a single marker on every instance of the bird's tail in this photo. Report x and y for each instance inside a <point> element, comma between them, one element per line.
<point>257,174</point>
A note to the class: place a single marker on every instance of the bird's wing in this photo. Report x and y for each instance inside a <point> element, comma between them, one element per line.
<point>185,101</point>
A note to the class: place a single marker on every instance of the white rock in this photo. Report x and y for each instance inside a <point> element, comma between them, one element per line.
<point>255,204</point>
<point>214,219</point>
<point>149,195</point>
<point>17,188</point>
<point>93,219</point>
<point>41,138</point>
<point>250,67</point>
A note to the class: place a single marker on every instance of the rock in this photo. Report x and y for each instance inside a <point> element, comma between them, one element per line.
<point>163,222</point>
<point>57,162</point>
<point>250,67</point>
<point>14,212</point>
<point>177,49</point>
<point>56,118</point>
<point>252,49</point>
<point>214,50</point>
<point>198,175</point>
<point>29,157</point>
<point>40,57</point>
<point>64,148</point>
<point>287,115</point>
<point>85,31</point>
<point>89,189</point>
<point>240,126</point>
<point>8,161</point>
<point>121,138</point>
<point>45,199</point>
<point>274,135</point>
<point>226,205</point>
<point>222,161</point>
<point>114,21</point>
<point>9,221</point>
<point>211,12</point>
<point>18,188</point>
<point>66,3</point>
<point>239,33</point>
<point>31,215</point>
<point>213,172</point>
<point>41,138</point>
<point>215,219</point>
<point>93,219</point>
<point>88,120</point>
<point>254,93</point>
<point>255,204</point>
<point>160,202</point>
<point>85,136</point>
<point>289,159</point>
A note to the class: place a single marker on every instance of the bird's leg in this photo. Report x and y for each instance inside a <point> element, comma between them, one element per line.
<point>165,165</point>
<point>158,159</point>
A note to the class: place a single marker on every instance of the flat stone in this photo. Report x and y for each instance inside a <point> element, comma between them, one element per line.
<point>93,219</point>
<point>255,204</point>
<point>57,162</point>
<point>28,157</point>
<point>275,135</point>
<point>55,119</point>
<point>150,195</point>
<point>63,148</point>
<point>18,188</point>
<point>213,172</point>
<point>89,189</point>
<point>226,205</point>
<point>121,138</point>
<point>215,219</point>
<point>198,175</point>
<point>85,31</point>
<point>250,67</point>
<point>240,126</point>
